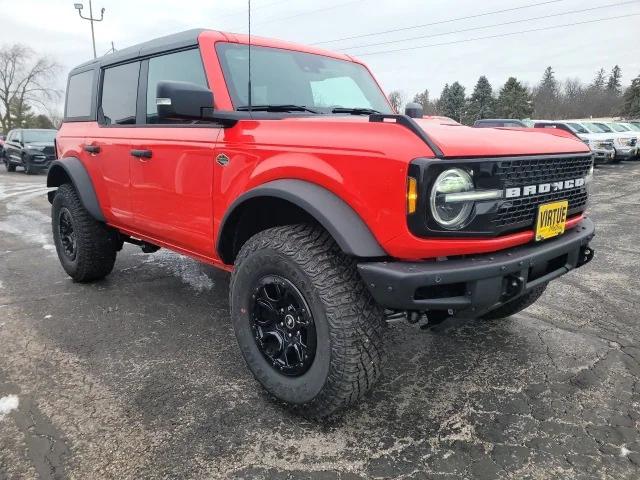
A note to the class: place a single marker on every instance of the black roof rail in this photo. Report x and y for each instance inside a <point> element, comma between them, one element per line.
<point>412,125</point>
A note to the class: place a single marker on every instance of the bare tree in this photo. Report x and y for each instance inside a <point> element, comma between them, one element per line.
<point>26,81</point>
<point>396,98</point>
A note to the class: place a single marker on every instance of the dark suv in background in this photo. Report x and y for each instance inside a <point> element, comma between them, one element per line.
<point>32,149</point>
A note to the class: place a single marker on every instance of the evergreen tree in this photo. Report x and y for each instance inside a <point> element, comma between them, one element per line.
<point>453,101</point>
<point>599,80</point>
<point>514,100</point>
<point>631,107</point>
<point>481,103</point>
<point>546,95</point>
<point>614,84</point>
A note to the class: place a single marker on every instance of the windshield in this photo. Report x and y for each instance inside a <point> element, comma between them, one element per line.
<point>286,77</point>
<point>593,128</point>
<point>633,127</point>
<point>38,136</point>
<point>617,127</point>
<point>577,128</point>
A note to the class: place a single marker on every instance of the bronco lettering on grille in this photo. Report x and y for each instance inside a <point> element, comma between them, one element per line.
<point>529,190</point>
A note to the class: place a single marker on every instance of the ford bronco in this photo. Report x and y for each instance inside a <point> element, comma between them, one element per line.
<point>333,213</point>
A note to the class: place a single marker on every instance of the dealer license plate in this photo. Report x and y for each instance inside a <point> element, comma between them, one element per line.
<point>552,218</point>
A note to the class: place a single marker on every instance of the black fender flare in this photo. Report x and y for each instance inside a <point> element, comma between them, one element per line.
<point>346,227</point>
<point>71,168</point>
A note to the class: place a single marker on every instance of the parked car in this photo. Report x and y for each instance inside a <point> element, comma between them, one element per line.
<point>32,149</point>
<point>328,209</point>
<point>499,123</point>
<point>2,137</point>
<point>602,148</point>
<point>624,143</point>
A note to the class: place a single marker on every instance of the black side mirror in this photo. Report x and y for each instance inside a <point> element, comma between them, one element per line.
<point>413,110</point>
<point>183,101</point>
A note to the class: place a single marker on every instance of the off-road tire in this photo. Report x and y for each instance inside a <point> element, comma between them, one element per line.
<point>516,305</point>
<point>349,324</point>
<point>95,243</point>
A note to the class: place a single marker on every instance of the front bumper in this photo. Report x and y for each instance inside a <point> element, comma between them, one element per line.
<point>471,286</point>
<point>626,153</point>
<point>603,155</point>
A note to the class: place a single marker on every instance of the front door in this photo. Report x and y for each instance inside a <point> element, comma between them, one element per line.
<point>172,164</point>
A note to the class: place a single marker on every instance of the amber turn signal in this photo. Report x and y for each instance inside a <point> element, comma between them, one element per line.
<point>412,194</point>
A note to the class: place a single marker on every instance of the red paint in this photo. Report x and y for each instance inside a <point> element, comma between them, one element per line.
<point>178,198</point>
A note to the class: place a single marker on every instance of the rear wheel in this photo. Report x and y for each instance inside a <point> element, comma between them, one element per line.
<point>516,305</point>
<point>86,247</point>
<point>306,325</point>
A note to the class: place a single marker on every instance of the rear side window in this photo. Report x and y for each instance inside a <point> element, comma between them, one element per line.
<point>120,94</point>
<point>79,94</point>
<point>185,66</point>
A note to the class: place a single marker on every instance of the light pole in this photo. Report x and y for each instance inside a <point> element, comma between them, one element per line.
<point>79,7</point>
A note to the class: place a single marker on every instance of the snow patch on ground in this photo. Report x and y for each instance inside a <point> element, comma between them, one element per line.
<point>8,404</point>
<point>47,316</point>
<point>187,269</point>
<point>28,224</point>
<point>624,451</point>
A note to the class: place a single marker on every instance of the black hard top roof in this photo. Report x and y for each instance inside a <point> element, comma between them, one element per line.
<point>175,41</point>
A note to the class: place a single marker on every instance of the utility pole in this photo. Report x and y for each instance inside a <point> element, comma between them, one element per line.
<point>79,7</point>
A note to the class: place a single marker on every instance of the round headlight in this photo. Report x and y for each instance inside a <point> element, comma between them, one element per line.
<point>451,215</point>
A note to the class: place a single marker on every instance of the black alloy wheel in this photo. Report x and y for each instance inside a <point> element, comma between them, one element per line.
<point>283,325</point>
<point>67,234</point>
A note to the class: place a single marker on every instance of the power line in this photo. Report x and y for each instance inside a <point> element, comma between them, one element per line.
<point>309,12</point>
<point>494,36</point>
<point>490,26</point>
<point>449,20</point>
<point>244,12</point>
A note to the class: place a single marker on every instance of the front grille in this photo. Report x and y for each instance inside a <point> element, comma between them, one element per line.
<point>531,171</point>
<point>518,173</point>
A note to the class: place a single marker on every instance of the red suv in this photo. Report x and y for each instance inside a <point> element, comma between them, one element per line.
<point>333,213</point>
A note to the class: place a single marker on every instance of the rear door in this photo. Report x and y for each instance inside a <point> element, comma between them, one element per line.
<point>110,144</point>
<point>172,179</point>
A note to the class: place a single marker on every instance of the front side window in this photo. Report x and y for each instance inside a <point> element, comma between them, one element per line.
<point>183,66</point>
<point>79,95</point>
<point>286,77</point>
<point>120,94</point>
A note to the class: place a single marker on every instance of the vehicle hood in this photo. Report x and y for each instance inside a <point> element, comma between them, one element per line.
<point>463,141</point>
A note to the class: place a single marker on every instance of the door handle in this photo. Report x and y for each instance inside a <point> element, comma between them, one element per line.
<point>141,153</point>
<point>92,148</point>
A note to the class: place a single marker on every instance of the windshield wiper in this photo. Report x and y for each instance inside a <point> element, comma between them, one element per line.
<point>355,111</point>
<point>277,108</point>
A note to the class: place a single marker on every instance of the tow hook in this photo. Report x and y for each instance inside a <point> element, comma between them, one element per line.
<point>514,286</point>
<point>586,255</point>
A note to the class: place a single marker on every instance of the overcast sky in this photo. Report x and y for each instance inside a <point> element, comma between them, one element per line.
<point>53,27</point>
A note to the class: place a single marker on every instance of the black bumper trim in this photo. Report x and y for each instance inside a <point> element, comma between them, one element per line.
<point>490,280</point>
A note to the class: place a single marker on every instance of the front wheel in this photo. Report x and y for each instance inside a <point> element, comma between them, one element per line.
<point>26,163</point>
<point>10,166</point>
<point>306,325</point>
<point>86,247</point>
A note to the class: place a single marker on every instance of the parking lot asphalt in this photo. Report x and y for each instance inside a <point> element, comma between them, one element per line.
<point>139,375</point>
